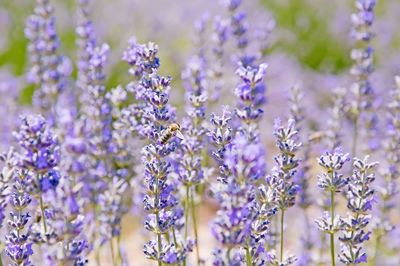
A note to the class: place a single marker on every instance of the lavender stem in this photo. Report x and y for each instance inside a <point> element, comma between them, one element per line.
<point>355,137</point>
<point>187,211</point>
<point>248,256</point>
<point>43,215</point>
<point>281,235</point>
<point>119,249</point>
<point>332,235</point>
<point>228,255</point>
<point>112,251</point>
<point>196,238</point>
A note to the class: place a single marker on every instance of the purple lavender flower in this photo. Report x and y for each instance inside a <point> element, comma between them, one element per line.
<point>69,222</point>
<point>303,175</point>
<point>220,137</point>
<point>189,170</point>
<point>6,173</point>
<point>388,191</point>
<point>164,213</point>
<point>112,211</point>
<point>97,120</point>
<point>281,179</point>
<point>333,182</point>
<point>18,245</point>
<point>85,41</point>
<point>49,69</point>
<point>189,162</point>
<point>239,29</point>
<point>333,133</point>
<point>359,202</point>
<point>41,153</point>
<point>251,96</point>
<point>219,39</point>
<point>245,159</point>
<point>39,161</point>
<point>362,105</point>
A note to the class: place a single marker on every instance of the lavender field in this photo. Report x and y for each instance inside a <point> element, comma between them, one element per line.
<point>201,132</point>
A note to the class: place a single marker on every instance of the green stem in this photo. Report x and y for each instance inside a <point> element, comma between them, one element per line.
<point>274,244</point>
<point>228,255</point>
<point>248,256</point>
<point>119,258</point>
<point>97,256</point>
<point>43,215</point>
<point>174,237</point>
<point>281,235</point>
<point>321,249</point>
<point>355,138</point>
<point>377,248</point>
<point>158,240</point>
<point>332,235</point>
<point>186,211</point>
<point>196,237</point>
<point>112,251</point>
<point>186,216</point>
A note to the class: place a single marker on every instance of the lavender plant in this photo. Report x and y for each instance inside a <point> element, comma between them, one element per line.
<point>190,170</point>
<point>388,190</point>
<point>333,182</point>
<point>362,104</point>
<point>303,174</point>
<point>18,244</point>
<point>49,69</point>
<point>39,160</point>
<point>162,206</point>
<point>359,202</point>
<point>107,148</point>
<point>281,178</point>
<point>70,224</point>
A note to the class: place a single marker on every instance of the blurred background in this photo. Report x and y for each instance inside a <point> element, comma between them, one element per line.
<point>311,36</point>
<point>310,44</point>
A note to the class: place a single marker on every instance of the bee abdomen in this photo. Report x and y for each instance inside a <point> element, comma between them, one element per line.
<point>165,137</point>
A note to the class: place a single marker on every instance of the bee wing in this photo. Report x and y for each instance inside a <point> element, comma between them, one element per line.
<point>179,135</point>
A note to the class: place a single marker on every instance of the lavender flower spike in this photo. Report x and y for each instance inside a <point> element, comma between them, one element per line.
<point>189,163</point>
<point>18,244</point>
<point>85,41</point>
<point>250,93</point>
<point>333,182</point>
<point>49,70</point>
<point>359,202</point>
<point>362,106</point>
<point>40,161</point>
<point>283,172</point>
<point>70,224</point>
<point>391,171</point>
<point>163,211</point>
<point>6,175</point>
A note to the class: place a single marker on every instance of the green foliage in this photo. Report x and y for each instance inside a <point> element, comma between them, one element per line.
<point>313,43</point>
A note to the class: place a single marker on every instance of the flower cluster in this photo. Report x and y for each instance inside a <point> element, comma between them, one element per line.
<point>49,70</point>
<point>332,181</point>
<point>281,179</point>
<point>359,202</point>
<point>362,106</point>
<point>164,213</point>
<point>333,132</point>
<point>18,245</point>
<point>103,153</point>
<point>39,162</point>
<point>388,191</point>
<point>85,41</point>
<point>250,94</point>
<point>69,223</point>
